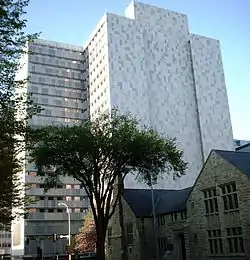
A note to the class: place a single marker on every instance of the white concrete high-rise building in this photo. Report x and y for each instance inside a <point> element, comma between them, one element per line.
<point>147,63</point>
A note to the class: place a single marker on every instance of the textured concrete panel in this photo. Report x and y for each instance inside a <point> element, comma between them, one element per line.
<point>212,102</point>
<point>151,76</point>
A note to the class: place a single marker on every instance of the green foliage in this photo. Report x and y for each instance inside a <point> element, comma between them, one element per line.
<point>96,153</point>
<point>13,106</point>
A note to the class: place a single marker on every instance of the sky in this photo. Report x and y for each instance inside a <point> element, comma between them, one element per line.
<point>72,21</point>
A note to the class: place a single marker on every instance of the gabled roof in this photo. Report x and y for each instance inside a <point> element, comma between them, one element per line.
<point>242,147</point>
<point>240,160</point>
<point>166,201</point>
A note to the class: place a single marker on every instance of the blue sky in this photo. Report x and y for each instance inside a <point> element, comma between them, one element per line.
<point>71,21</point>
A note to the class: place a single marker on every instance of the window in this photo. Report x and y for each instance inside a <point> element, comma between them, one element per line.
<point>162,244</point>
<point>59,198</point>
<point>68,198</point>
<point>59,210</point>
<point>33,174</point>
<point>45,91</point>
<point>41,186</point>
<point>215,241</point>
<point>41,210</point>
<point>50,210</point>
<point>77,210</point>
<point>41,198</point>
<point>109,236</point>
<point>229,196</point>
<point>77,198</point>
<point>32,210</point>
<point>161,221</point>
<point>60,186</point>
<point>174,216</point>
<point>84,210</point>
<point>211,201</point>
<point>130,234</point>
<point>50,198</point>
<point>183,215</point>
<point>68,186</point>
<point>235,240</point>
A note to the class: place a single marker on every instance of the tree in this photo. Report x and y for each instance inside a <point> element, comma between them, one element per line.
<point>15,107</point>
<point>97,153</point>
<point>86,239</point>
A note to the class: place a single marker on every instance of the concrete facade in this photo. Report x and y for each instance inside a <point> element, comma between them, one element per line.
<point>5,242</point>
<point>58,82</point>
<point>170,79</point>
<point>214,225</point>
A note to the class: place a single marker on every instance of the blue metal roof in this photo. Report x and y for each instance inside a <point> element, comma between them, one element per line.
<point>166,201</point>
<point>240,160</point>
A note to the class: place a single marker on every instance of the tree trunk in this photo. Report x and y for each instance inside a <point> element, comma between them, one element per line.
<point>100,241</point>
<point>124,251</point>
<point>100,249</point>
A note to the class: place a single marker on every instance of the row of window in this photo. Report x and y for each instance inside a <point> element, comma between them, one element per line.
<point>234,242</point>
<point>129,231</point>
<point>58,113</point>
<point>48,60</point>
<point>60,186</point>
<point>99,79</point>
<point>64,198</point>
<point>48,80</point>
<point>162,245</point>
<point>98,84</point>
<point>175,216</point>
<point>42,120</point>
<point>58,210</point>
<point>97,39</point>
<point>228,195</point>
<point>56,51</point>
<point>98,98</point>
<point>72,105</point>
<point>68,73</point>
<point>99,109</point>
<point>93,56</point>
<point>67,93</point>
<point>5,245</point>
<point>5,235</point>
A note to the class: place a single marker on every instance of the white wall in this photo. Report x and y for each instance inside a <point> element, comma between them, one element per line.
<point>212,102</point>
<point>151,75</point>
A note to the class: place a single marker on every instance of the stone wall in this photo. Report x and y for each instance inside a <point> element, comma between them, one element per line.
<point>114,251</point>
<point>217,172</point>
<point>144,247</point>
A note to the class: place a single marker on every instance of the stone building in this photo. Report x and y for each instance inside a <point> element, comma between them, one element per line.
<point>208,221</point>
<point>170,207</point>
<point>219,223</point>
